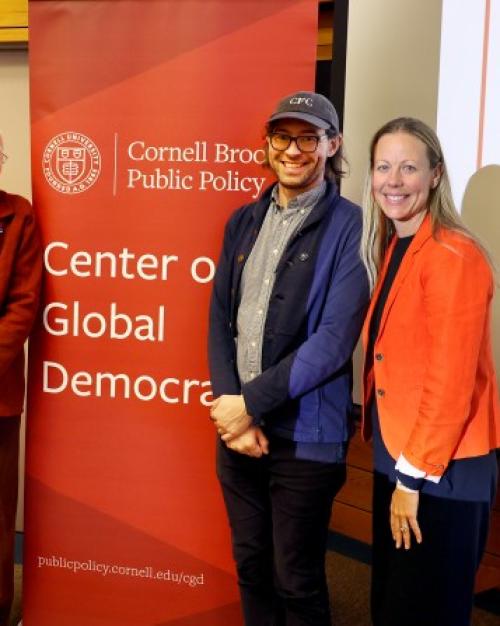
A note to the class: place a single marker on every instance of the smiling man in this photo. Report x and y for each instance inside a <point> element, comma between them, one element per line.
<point>289,299</point>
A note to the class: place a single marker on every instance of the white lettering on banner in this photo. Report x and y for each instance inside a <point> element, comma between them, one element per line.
<point>197,153</point>
<point>231,181</point>
<point>56,379</point>
<point>104,569</point>
<point>171,179</point>
<point>139,151</point>
<point>226,154</point>
<point>125,264</point>
<point>202,269</point>
<point>176,179</point>
<point>59,319</point>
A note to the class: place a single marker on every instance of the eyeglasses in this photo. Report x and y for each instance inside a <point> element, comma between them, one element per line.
<point>305,143</point>
<point>3,157</point>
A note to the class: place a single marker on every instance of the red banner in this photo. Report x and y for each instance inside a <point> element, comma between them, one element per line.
<point>147,123</point>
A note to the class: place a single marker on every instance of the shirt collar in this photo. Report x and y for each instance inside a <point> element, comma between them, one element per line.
<point>305,200</point>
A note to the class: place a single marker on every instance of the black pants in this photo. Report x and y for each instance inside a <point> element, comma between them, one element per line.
<point>279,510</point>
<point>9,454</point>
<point>430,584</point>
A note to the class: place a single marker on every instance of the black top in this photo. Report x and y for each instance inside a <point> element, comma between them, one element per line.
<point>402,245</point>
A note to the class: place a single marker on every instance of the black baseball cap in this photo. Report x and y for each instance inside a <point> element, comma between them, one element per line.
<point>310,107</point>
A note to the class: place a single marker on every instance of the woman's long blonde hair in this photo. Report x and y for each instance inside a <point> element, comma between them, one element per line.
<point>378,229</point>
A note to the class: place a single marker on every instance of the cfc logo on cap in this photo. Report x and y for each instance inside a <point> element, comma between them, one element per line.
<point>300,100</point>
<point>71,162</point>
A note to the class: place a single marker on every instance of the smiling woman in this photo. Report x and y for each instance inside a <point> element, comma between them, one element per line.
<point>430,393</point>
<point>402,179</point>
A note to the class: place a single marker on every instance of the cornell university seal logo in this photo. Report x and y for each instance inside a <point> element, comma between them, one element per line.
<point>71,162</point>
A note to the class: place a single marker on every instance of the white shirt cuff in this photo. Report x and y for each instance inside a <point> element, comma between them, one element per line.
<point>404,466</point>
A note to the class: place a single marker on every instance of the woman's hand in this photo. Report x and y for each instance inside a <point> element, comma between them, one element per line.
<point>404,508</point>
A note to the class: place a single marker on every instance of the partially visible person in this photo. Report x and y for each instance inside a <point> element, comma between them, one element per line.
<point>430,393</point>
<point>289,298</point>
<point>20,277</point>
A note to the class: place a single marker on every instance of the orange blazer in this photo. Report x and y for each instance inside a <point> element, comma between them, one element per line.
<point>432,371</point>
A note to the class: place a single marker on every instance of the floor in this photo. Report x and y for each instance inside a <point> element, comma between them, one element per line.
<point>349,581</point>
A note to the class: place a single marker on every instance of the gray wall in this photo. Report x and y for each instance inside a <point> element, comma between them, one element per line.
<point>392,70</point>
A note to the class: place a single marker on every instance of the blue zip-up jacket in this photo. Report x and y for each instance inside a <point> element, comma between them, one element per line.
<point>315,314</point>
